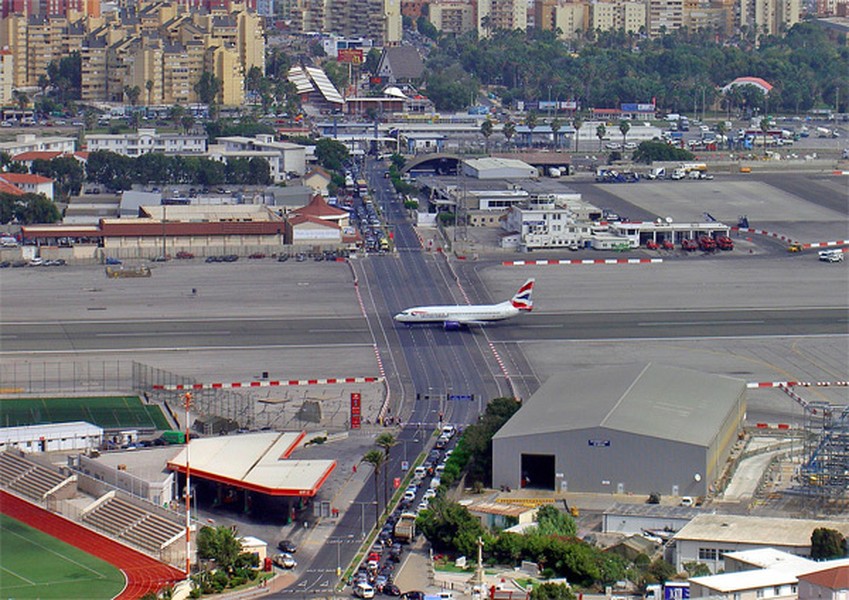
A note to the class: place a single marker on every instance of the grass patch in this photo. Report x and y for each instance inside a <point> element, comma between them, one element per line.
<point>35,565</point>
<point>109,412</point>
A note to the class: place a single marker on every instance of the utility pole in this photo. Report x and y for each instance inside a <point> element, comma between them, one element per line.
<point>187,399</point>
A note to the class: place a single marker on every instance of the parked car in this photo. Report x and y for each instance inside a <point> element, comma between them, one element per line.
<point>256,255</point>
<point>183,255</point>
<point>287,546</point>
<point>112,261</point>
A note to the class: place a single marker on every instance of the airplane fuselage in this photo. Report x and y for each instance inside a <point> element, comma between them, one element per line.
<point>458,314</point>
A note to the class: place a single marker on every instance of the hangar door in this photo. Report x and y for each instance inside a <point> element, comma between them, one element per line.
<point>538,471</point>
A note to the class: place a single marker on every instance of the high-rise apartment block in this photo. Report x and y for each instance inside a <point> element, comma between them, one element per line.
<point>654,17</point>
<point>159,47</point>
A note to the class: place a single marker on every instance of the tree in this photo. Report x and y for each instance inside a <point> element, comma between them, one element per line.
<point>509,130</point>
<point>551,591</point>
<point>148,85</point>
<point>376,459</point>
<point>556,125</point>
<point>27,209</point>
<point>219,544</point>
<point>577,123</point>
<point>650,151</point>
<point>600,132</point>
<point>426,28</point>
<point>386,441</point>
<point>486,132</point>
<point>132,94</point>
<point>21,99</point>
<point>765,130</point>
<point>208,88</point>
<point>551,521</point>
<point>66,171</point>
<point>531,123</point>
<point>331,154</point>
<point>827,544</point>
<point>624,128</point>
<point>372,61</point>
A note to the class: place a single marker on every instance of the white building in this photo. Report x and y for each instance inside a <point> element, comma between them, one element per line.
<point>147,140</point>
<point>28,142</point>
<point>52,437</point>
<point>546,226</point>
<point>499,168</point>
<point>30,184</point>
<point>285,159</point>
<point>708,538</point>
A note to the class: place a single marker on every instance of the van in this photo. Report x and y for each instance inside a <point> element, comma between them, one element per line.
<point>363,590</point>
<point>832,256</point>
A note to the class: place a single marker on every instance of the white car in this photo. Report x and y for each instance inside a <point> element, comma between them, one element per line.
<point>285,561</point>
<point>429,494</point>
<point>613,146</point>
<point>423,505</point>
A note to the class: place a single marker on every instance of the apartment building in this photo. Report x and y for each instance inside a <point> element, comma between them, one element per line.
<point>769,17</point>
<point>501,14</point>
<point>146,140</point>
<point>155,46</point>
<point>452,16</point>
<point>7,75</point>
<point>664,16</point>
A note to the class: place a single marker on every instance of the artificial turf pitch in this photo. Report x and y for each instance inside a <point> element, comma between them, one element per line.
<point>35,565</point>
<point>109,412</point>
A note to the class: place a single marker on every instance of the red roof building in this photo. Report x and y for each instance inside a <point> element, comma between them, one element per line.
<point>826,584</point>
<point>320,209</point>
<point>8,188</point>
<point>30,184</point>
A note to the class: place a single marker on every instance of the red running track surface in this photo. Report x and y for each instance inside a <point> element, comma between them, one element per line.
<point>143,574</point>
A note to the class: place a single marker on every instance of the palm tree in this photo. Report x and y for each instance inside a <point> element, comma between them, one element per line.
<point>555,125</point>
<point>386,441</point>
<point>376,459</point>
<point>720,132</point>
<point>132,94</point>
<point>531,123</point>
<point>148,85</point>
<point>486,132</point>
<point>21,99</point>
<point>600,132</point>
<point>509,130</point>
<point>624,127</point>
<point>577,123</point>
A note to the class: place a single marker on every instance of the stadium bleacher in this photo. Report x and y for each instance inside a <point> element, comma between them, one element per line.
<point>27,478</point>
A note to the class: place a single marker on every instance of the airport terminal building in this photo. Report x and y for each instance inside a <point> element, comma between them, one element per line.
<point>607,430</point>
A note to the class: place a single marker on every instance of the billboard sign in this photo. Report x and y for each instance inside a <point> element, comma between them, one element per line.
<point>353,56</point>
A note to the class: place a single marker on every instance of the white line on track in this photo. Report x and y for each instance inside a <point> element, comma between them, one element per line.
<point>163,333</point>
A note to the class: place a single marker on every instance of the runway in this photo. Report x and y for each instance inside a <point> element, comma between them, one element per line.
<point>252,333</point>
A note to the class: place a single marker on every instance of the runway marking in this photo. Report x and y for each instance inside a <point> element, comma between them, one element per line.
<point>298,318</point>
<point>664,323</point>
<point>336,330</point>
<point>163,333</point>
<point>182,349</point>
<point>542,326</point>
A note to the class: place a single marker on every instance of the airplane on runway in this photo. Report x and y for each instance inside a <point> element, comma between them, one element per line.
<point>454,317</point>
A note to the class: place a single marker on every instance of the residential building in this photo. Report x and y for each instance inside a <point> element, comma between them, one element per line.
<point>501,14</point>
<point>13,35</point>
<point>569,17</point>
<point>28,142</point>
<point>769,17</point>
<point>454,17</point>
<point>664,16</point>
<point>828,583</point>
<point>285,159</point>
<point>30,184</point>
<point>147,140</point>
<point>7,75</point>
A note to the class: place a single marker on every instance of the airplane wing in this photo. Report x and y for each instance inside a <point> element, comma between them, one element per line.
<point>460,322</point>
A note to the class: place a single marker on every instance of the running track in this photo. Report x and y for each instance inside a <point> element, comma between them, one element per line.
<point>142,573</point>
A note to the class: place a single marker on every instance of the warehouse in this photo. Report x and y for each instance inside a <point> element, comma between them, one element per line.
<point>606,430</point>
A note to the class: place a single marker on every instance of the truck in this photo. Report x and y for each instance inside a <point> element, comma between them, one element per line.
<point>405,528</point>
<point>174,437</point>
<point>671,590</point>
<point>834,255</point>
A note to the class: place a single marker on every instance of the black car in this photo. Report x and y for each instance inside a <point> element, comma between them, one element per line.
<point>232,258</point>
<point>390,589</point>
<point>415,595</point>
<point>287,546</point>
<point>283,258</point>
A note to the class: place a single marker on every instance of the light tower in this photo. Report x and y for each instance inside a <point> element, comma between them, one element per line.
<point>187,402</point>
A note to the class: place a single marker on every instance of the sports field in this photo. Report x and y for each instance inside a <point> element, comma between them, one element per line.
<point>109,412</point>
<point>35,565</point>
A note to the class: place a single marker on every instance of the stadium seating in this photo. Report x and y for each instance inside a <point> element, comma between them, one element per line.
<point>132,524</point>
<point>27,478</point>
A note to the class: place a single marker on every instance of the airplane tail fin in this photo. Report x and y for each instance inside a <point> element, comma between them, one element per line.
<point>523,299</point>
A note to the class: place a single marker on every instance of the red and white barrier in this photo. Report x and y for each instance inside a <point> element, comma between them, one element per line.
<point>789,384</point>
<point>590,261</point>
<point>789,240</point>
<point>264,384</point>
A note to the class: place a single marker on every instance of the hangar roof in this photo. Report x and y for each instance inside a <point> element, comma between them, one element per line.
<point>645,399</point>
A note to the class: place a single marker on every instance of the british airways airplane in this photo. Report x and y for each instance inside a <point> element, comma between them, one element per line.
<point>454,317</point>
